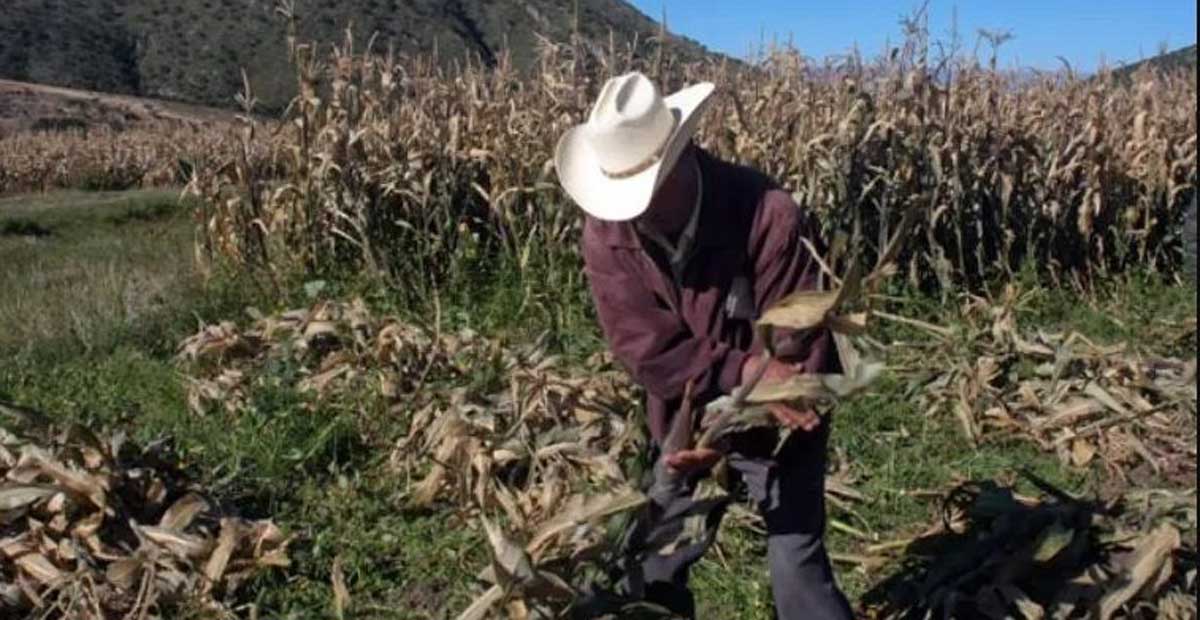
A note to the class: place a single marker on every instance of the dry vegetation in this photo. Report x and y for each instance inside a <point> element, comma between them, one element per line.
<point>945,175</point>
<point>95,527</point>
<point>1133,414</point>
<point>530,452</point>
<point>101,158</point>
<point>542,463</point>
<point>398,167</point>
<point>404,168</point>
<point>1003,555</point>
<point>60,138</point>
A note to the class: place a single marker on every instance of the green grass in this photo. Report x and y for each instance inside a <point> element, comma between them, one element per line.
<point>1142,310</point>
<point>86,345</point>
<point>80,268</point>
<point>99,288</point>
<point>308,470</point>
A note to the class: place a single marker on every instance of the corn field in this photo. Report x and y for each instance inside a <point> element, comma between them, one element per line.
<point>411,170</point>
<point>407,170</point>
<point>100,158</point>
<point>941,172</point>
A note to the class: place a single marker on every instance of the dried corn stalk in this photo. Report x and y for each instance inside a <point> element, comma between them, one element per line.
<point>408,170</point>
<point>538,463</point>
<point>1090,404</point>
<point>96,528</point>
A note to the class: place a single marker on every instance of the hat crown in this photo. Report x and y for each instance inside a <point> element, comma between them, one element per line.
<point>629,125</point>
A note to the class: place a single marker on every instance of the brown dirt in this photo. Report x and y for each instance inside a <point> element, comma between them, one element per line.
<point>25,106</point>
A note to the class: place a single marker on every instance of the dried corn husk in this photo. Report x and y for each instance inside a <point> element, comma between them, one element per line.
<point>69,509</point>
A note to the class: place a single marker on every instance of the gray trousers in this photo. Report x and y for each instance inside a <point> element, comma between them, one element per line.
<point>789,491</point>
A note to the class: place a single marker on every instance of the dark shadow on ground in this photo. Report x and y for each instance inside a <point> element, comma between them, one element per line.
<point>23,228</point>
<point>998,555</point>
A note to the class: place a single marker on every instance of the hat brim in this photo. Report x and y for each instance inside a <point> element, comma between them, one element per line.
<point>624,199</point>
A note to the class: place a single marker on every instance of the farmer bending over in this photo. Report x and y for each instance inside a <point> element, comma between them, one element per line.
<point>682,252</point>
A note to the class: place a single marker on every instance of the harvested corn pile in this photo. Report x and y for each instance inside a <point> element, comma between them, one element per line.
<point>94,528</point>
<point>1085,402</point>
<point>997,554</point>
<point>545,429</point>
<point>546,453</point>
<point>539,456</point>
<point>335,344</point>
<point>536,457</point>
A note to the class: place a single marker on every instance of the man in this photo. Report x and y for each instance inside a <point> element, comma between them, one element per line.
<point>682,253</point>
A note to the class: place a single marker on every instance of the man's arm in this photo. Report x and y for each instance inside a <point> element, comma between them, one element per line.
<point>783,264</point>
<point>653,343</point>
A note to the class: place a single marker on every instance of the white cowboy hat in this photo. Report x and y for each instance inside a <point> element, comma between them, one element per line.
<point>612,165</point>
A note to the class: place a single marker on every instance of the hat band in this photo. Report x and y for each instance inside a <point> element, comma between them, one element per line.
<point>649,161</point>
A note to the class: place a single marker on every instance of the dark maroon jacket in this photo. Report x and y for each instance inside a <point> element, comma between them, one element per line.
<point>666,335</point>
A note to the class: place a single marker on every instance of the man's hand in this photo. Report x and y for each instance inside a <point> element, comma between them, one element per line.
<point>776,370</point>
<point>693,461</point>
<point>787,416</point>
<point>790,417</point>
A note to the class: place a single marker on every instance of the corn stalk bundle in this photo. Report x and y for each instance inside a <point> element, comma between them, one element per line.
<point>337,347</point>
<point>1089,404</point>
<point>998,554</point>
<point>94,527</point>
<point>801,313</point>
<point>547,455</point>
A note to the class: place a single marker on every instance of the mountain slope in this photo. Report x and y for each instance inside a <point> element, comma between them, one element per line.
<point>1182,58</point>
<point>192,51</point>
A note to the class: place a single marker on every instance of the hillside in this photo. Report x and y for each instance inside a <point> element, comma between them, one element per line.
<point>192,51</point>
<point>25,106</point>
<point>1179,59</point>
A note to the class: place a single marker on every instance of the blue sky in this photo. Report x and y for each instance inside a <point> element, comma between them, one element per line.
<point>1084,32</point>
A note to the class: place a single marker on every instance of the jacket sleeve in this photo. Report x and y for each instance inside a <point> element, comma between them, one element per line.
<point>649,339</point>
<point>784,264</point>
